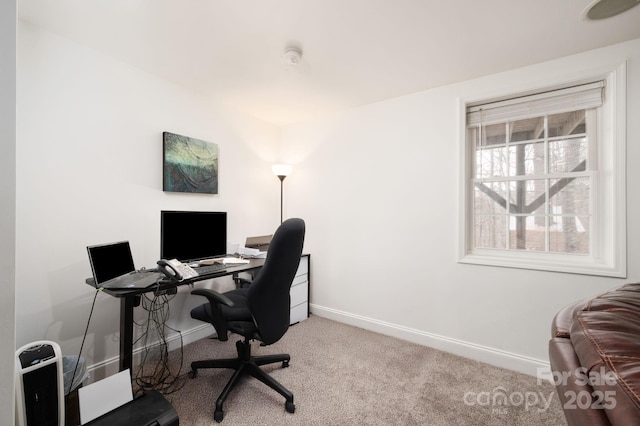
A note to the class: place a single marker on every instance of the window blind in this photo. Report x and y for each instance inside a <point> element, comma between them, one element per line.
<point>590,95</point>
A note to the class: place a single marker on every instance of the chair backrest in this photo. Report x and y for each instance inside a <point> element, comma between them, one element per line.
<point>268,295</point>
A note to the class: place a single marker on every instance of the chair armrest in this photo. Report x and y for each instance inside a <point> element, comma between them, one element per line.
<point>215,301</point>
<point>213,296</point>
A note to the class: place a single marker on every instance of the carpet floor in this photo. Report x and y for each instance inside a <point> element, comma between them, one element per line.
<point>344,375</point>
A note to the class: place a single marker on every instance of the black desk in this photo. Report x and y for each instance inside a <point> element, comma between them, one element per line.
<point>130,298</point>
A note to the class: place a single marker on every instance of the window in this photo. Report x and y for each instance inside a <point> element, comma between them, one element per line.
<point>544,183</point>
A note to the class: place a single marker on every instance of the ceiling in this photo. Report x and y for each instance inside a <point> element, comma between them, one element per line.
<point>354,51</point>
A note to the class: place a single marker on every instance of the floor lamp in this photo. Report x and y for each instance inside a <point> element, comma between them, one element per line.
<point>282,171</point>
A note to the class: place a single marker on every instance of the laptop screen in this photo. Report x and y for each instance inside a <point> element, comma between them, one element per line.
<point>110,260</point>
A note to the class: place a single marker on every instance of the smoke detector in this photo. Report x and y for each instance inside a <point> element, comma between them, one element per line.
<point>602,9</point>
<point>292,55</point>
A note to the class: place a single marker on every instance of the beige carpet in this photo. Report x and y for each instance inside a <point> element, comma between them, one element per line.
<point>343,375</point>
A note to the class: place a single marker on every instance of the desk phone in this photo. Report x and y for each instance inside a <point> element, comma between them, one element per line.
<point>176,270</point>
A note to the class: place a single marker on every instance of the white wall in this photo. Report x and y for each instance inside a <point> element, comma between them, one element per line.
<point>377,185</point>
<point>89,171</point>
<point>8,205</point>
<point>379,188</point>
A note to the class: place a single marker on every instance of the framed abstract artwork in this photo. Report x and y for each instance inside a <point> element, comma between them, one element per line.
<point>189,165</point>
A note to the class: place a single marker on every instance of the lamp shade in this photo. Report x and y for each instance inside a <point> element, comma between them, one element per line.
<point>282,169</point>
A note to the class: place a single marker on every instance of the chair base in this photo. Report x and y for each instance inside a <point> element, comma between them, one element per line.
<point>245,364</point>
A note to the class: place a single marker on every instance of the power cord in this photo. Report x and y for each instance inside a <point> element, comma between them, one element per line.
<point>86,330</point>
<point>152,373</point>
<point>161,377</point>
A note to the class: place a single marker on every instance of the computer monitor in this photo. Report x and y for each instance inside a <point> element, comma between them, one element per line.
<point>192,235</point>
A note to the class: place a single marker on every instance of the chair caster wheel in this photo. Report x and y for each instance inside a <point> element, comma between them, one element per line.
<point>290,407</point>
<point>218,416</point>
<point>192,374</point>
<point>285,364</point>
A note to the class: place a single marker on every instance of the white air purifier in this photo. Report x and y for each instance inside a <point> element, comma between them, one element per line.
<point>39,385</point>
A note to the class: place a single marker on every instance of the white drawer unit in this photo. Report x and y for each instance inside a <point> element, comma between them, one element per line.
<point>300,291</point>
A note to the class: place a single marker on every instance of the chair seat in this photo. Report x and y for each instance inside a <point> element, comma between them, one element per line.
<point>244,328</point>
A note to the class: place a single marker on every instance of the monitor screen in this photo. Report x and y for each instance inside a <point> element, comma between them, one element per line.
<point>189,235</point>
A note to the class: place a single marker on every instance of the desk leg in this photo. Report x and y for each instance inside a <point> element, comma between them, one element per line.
<point>127,304</point>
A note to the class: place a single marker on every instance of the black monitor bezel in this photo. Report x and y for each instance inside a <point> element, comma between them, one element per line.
<point>193,231</point>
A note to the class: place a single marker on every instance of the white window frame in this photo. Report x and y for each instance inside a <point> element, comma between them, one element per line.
<point>608,249</point>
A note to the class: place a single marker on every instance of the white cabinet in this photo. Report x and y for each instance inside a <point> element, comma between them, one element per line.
<point>300,291</point>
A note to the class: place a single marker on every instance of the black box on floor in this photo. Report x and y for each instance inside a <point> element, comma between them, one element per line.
<point>150,409</point>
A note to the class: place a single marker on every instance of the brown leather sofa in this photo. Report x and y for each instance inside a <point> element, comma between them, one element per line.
<point>595,358</point>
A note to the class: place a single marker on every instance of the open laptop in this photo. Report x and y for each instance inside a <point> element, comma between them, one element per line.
<point>113,268</point>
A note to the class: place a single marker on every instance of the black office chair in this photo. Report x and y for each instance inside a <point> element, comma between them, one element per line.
<point>258,312</point>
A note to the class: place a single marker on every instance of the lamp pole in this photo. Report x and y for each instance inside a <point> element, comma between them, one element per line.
<point>281,177</point>
<point>282,171</point>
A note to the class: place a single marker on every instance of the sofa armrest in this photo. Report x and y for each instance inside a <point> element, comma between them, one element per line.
<point>561,324</point>
<point>570,382</point>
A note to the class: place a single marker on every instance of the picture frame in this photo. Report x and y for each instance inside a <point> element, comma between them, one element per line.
<point>189,165</point>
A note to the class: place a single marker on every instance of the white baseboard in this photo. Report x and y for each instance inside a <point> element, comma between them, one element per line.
<point>523,364</point>
<point>531,366</point>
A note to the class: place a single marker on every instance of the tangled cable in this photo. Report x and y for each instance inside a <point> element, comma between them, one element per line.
<point>155,371</point>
